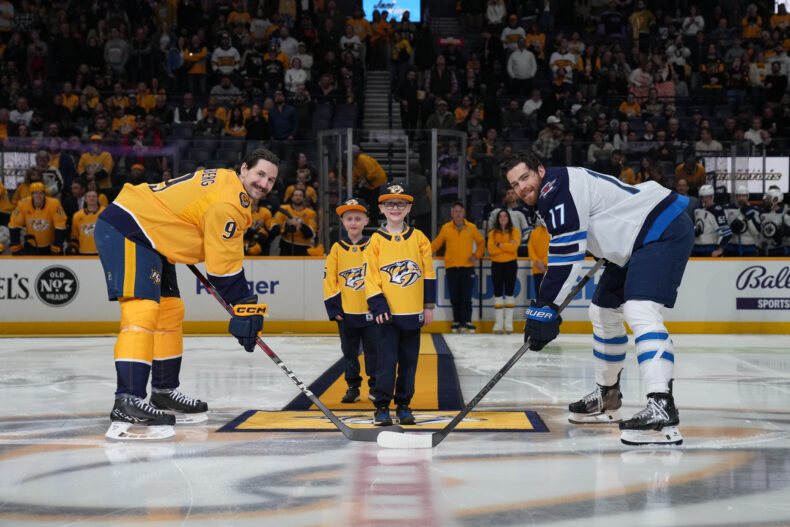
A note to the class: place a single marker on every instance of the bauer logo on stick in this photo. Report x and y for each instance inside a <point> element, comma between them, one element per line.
<point>246,310</point>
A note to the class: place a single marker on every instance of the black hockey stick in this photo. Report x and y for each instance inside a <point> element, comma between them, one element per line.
<point>388,440</point>
<point>354,434</point>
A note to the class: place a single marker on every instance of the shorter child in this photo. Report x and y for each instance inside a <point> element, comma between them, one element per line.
<point>401,291</point>
<point>344,297</point>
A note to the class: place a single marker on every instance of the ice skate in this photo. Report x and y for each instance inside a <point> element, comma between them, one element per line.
<point>499,320</point>
<point>468,327</point>
<point>655,425</point>
<point>509,307</point>
<point>150,424</point>
<point>456,327</point>
<point>602,405</point>
<point>186,409</point>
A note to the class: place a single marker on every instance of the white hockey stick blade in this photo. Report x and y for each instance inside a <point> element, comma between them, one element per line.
<point>404,456</point>
<point>190,419</point>
<point>669,435</point>
<point>120,431</point>
<point>395,440</point>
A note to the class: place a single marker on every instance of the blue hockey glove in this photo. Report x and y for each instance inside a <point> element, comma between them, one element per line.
<point>246,327</point>
<point>543,325</point>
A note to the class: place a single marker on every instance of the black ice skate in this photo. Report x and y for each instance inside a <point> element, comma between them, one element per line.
<point>130,411</point>
<point>186,409</point>
<point>602,405</point>
<point>656,424</point>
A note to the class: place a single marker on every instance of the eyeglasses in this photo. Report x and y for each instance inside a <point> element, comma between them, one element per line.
<point>390,205</point>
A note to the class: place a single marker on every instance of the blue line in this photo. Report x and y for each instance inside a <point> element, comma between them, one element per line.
<point>628,188</point>
<point>655,335</point>
<point>613,340</point>
<point>570,238</point>
<point>609,358</point>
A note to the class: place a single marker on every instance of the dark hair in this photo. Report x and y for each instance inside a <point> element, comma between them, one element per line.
<point>81,181</point>
<point>252,157</point>
<point>457,204</point>
<point>509,226</point>
<point>532,162</point>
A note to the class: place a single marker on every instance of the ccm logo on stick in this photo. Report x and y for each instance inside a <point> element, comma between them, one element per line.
<point>250,309</point>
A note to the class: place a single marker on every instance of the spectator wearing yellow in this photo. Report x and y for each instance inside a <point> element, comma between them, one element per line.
<point>302,182</point>
<point>44,222</point>
<point>96,164</point>
<point>256,238</point>
<point>83,224</point>
<point>464,247</point>
<point>692,172</point>
<point>503,242</point>
<point>22,191</point>
<point>69,99</point>
<point>538,249</point>
<point>6,207</point>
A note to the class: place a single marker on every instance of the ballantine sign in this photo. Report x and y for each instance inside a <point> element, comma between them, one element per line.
<point>757,277</point>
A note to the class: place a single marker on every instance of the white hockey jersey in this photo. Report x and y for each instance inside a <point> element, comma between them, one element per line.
<point>775,228</point>
<point>746,231</point>
<point>710,227</point>
<point>588,211</point>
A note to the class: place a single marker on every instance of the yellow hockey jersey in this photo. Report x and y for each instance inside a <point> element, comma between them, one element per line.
<point>39,222</point>
<point>197,217</point>
<point>304,234</point>
<point>83,224</point>
<point>344,283</point>
<point>399,277</point>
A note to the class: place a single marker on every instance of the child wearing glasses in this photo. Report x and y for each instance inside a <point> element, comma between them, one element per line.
<point>401,291</point>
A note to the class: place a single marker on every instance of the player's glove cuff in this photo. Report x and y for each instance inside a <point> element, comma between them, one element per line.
<point>542,324</point>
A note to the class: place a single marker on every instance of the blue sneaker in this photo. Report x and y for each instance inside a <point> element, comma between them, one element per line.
<point>381,417</point>
<point>405,417</point>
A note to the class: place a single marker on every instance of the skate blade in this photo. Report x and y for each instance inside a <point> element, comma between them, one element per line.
<point>669,435</point>
<point>120,431</point>
<point>190,419</point>
<point>605,418</point>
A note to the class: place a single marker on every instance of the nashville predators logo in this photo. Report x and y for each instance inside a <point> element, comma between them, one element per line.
<point>354,277</point>
<point>244,199</point>
<point>38,225</point>
<point>404,272</point>
<point>395,189</point>
<point>88,229</point>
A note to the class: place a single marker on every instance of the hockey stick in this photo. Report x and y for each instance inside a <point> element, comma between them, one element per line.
<point>354,434</point>
<point>389,440</point>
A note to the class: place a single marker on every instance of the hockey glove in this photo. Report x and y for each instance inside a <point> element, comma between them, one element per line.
<point>543,325</point>
<point>275,230</point>
<point>18,249</point>
<point>246,327</point>
<point>55,250</point>
<point>289,228</point>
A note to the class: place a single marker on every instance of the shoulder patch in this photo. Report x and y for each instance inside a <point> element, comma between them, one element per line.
<point>547,187</point>
<point>244,199</point>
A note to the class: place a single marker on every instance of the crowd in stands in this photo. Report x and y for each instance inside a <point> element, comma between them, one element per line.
<point>105,92</point>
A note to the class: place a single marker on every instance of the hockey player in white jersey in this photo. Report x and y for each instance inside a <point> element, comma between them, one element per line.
<point>744,222</point>
<point>775,224</point>
<point>642,231</point>
<point>711,231</point>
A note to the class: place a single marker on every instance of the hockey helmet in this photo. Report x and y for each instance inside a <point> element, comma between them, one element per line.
<point>706,191</point>
<point>773,196</point>
<point>741,190</point>
<point>38,186</point>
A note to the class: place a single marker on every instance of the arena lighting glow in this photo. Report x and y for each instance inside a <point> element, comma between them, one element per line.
<point>395,8</point>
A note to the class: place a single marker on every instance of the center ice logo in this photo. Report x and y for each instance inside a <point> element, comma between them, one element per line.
<point>404,272</point>
<point>354,277</point>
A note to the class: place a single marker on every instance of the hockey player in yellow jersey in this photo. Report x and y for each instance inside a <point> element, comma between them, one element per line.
<point>198,217</point>
<point>297,225</point>
<point>256,238</point>
<point>400,286</point>
<point>344,297</point>
<point>83,225</point>
<point>44,221</point>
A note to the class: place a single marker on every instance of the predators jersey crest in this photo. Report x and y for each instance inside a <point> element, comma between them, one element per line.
<point>403,272</point>
<point>88,229</point>
<point>38,224</point>
<point>354,277</point>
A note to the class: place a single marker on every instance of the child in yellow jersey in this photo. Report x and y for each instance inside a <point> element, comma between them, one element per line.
<point>503,241</point>
<point>83,225</point>
<point>344,298</point>
<point>44,222</point>
<point>400,286</point>
<point>198,217</point>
